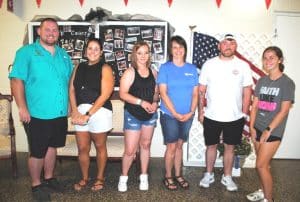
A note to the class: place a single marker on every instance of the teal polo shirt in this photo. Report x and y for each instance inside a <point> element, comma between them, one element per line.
<point>46,79</point>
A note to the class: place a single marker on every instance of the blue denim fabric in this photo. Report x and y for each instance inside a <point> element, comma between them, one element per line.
<point>132,123</point>
<point>173,130</point>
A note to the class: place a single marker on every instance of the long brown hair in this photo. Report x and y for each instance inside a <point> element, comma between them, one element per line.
<point>136,47</point>
<point>278,53</point>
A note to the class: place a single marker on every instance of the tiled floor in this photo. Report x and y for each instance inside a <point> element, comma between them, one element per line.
<point>286,177</point>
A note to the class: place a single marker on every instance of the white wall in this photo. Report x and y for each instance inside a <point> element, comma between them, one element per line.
<point>234,16</point>
<point>288,39</point>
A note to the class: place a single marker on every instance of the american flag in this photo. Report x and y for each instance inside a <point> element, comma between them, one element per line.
<point>206,47</point>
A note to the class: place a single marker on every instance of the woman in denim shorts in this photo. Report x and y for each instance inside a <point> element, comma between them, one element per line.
<point>178,87</point>
<point>139,91</point>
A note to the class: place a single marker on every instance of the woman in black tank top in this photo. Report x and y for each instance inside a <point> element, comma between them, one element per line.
<point>139,91</point>
<point>91,86</point>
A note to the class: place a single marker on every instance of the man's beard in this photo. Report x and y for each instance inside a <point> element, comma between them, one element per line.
<point>227,55</point>
<point>49,42</point>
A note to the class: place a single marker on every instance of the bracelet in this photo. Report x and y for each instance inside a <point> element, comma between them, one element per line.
<point>139,101</point>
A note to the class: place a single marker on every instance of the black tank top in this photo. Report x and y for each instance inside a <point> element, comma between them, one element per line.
<point>87,84</point>
<point>143,88</point>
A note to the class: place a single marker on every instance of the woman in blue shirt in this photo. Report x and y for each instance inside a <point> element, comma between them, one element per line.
<point>178,87</point>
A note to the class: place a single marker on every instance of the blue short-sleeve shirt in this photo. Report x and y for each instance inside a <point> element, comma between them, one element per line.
<point>180,83</point>
<point>46,79</point>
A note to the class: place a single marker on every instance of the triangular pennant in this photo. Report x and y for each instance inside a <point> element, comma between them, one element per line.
<point>170,2</point>
<point>81,2</point>
<point>39,2</point>
<point>268,3</point>
<point>218,3</point>
<point>1,3</point>
<point>126,2</point>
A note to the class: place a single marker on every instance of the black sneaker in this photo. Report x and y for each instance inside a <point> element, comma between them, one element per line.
<point>40,193</point>
<point>53,185</point>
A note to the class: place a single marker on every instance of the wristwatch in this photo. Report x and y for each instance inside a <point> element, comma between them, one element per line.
<point>88,114</point>
<point>268,128</point>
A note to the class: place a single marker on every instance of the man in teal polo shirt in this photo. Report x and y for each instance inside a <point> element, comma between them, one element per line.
<point>39,81</point>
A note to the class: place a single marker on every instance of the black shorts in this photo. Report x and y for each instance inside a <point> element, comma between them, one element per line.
<point>232,131</point>
<point>42,134</point>
<point>270,139</point>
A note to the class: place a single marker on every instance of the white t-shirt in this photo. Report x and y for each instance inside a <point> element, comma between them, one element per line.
<point>224,81</point>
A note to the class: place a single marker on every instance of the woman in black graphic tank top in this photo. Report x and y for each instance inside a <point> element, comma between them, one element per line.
<point>139,91</point>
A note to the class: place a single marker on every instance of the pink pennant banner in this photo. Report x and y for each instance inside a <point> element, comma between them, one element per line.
<point>81,2</point>
<point>126,2</point>
<point>38,2</point>
<point>170,2</point>
<point>1,3</point>
<point>218,3</point>
<point>268,3</point>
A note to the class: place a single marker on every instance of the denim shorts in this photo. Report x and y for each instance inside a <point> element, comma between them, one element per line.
<point>132,123</point>
<point>173,130</point>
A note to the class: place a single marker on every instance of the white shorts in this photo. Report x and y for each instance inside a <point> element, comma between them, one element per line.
<point>99,122</point>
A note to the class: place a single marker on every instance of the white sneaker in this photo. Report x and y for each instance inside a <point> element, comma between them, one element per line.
<point>255,196</point>
<point>265,200</point>
<point>122,185</point>
<point>229,183</point>
<point>207,180</point>
<point>144,185</point>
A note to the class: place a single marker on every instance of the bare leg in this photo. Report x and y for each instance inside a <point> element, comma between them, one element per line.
<point>49,163</point>
<point>178,158</point>
<point>145,143</point>
<point>169,158</point>
<point>211,155</point>
<point>100,144</point>
<point>84,145</point>
<point>169,164</point>
<point>264,156</point>
<point>132,138</point>
<point>228,159</point>
<point>35,167</point>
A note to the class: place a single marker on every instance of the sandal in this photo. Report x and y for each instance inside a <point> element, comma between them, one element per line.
<point>81,185</point>
<point>169,183</point>
<point>182,182</point>
<point>98,185</point>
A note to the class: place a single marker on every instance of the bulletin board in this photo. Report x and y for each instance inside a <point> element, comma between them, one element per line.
<point>117,37</point>
<point>72,37</point>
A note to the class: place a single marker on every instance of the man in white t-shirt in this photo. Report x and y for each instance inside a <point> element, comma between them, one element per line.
<point>225,91</point>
